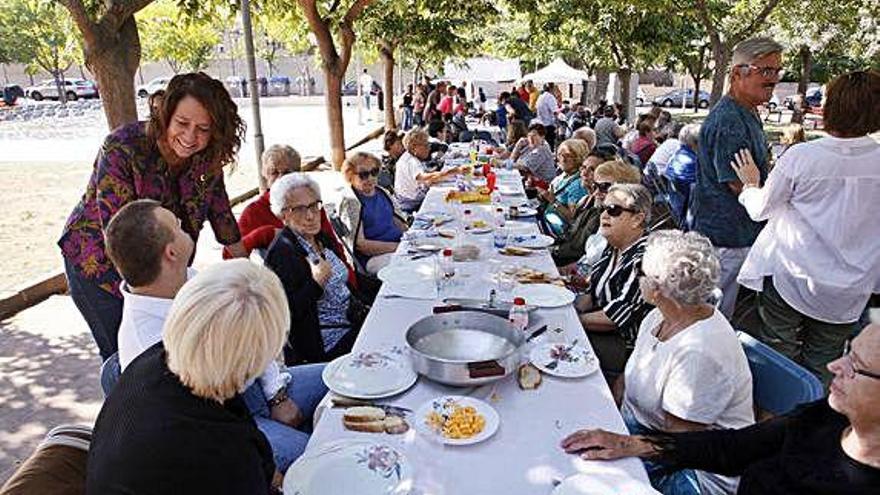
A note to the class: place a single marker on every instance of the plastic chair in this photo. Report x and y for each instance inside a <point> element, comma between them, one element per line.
<point>779,384</point>
<point>110,372</point>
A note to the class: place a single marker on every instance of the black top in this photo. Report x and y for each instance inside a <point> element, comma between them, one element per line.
<point>289,260</point>
<point>584,224</point>
<point>797,454</point>
<point>153,436</point>
<point>615,288</point>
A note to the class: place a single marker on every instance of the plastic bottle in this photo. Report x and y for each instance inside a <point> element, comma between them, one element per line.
<point>519,315</point>
<point>447,264</point>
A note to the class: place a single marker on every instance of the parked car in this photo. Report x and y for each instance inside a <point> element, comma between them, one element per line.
<point>813,98</point>
<point>350,88</point>
<point>73,89</point>
<point>159,83</point>
<point>673,98</point>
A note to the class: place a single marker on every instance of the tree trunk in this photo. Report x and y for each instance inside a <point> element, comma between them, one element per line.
<point>386,52</point>
<point>5,74</point>
<point>602,78</point>
<point>114,62</point>
<point>624,75</point>
<point>333,100</point>
<point>697,82</point>
<point>721,54</point>
<point>806,68</point>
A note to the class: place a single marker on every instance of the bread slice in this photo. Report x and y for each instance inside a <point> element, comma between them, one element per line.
<point>395,425</point>
<point>529,377</point>
<point>363,414</point>
<point>365,426</point>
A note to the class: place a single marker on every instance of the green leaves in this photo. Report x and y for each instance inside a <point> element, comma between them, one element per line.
<point>183,42</point>
<point>40,34</point>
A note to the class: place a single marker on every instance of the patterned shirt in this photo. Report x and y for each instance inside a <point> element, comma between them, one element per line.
<point>129,168</point>
<point>333,305</point>
<point>615,288</point>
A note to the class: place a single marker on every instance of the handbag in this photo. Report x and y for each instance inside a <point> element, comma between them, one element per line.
<point>358,309</point>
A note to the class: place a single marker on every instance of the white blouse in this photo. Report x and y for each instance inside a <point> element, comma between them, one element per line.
<point>821,243</point>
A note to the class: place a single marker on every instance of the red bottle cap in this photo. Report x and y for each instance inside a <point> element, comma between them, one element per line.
<point>518,301</point>
<point>447,252</point>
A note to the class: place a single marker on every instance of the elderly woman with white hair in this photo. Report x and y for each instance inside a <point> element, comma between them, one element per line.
<point>411,178</point>
<point>176,421</point>
<point>324,315</point>
<point>688,370</point>
<point>614,308</point>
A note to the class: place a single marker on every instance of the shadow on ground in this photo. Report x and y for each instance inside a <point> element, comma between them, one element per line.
<point>48,376</point>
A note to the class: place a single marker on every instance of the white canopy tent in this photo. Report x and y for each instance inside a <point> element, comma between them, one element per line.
<point>557,72</point>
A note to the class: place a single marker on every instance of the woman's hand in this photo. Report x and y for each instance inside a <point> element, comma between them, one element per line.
<point>604,445</point>
<point>321,271</point>
<point>745,169</point>
<point>288,413</point>
<point>546,195</point>
<point>237,250</point>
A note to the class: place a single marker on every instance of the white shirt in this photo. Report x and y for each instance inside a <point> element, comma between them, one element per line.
<point>143,318</point>
<point>405,172</point>
<point>664,153</point>
<point>699,374</point>
<point>366,82</point>
<point>546,108</point>
<point>821,244</point>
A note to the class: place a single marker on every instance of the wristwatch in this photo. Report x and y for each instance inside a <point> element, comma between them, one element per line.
<point>280,397</point>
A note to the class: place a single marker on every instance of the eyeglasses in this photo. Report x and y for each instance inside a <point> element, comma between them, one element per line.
<point>766,72</point>
<point>603,186</point>
<point>300,211</point>
<point>616,210</point>
<point>366,174</point>
<point>847,355</point>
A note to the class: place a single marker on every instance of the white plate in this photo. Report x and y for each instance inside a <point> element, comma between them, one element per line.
<point>345,467</point>
<point>544,295</point>
<point>533,241</point>
<point>443,404</point>
<point>509,190</point>
<point>371,374</point>
<point>409,271</point>
<point>568,360</point>
<point>525,212</point>
<point>603,483</point>
<point>517,227</point>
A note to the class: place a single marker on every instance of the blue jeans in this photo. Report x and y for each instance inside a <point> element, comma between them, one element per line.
<point>367,100</point>
<point>407,118</point>
<point>681,482</point>
<point>306,389</point>
<point>101,309</point>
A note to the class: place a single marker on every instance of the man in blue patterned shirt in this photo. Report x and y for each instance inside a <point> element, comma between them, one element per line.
<point>734,124</point>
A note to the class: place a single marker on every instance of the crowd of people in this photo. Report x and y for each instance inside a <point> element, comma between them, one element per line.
<point>657,225</point>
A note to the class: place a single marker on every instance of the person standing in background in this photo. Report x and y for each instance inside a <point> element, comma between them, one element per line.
<point>366,82</point>
<point>734,124</point>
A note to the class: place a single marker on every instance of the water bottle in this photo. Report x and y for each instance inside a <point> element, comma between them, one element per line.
<point>519,315</point>
<point>447,264</point>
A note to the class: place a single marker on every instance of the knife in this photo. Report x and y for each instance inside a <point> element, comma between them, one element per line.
<point>537,333</point>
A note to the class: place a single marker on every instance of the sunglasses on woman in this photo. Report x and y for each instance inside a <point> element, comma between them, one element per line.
<point>366,174</point>
<point>603,186</point>
<point>616,210</point>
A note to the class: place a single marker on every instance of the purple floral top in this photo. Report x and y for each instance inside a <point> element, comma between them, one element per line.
<point>128,168</point>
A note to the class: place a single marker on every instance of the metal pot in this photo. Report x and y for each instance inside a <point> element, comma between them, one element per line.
<point>464,348</point>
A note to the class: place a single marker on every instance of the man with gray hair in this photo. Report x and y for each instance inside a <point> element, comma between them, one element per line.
<point>734,124</point>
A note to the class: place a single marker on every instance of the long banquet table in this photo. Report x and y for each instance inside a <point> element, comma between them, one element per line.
<point>523,457</point>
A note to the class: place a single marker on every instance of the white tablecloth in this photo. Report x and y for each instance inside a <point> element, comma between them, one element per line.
<point>523,457</point>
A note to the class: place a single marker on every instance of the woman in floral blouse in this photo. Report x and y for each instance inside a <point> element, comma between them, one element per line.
<point>176,158</point>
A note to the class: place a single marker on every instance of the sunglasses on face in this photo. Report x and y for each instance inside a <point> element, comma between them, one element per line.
<point>603,186</point>
<point>366,174</point>
<point>616,210</point>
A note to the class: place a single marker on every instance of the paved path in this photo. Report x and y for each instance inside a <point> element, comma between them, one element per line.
<point>48,376</point>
